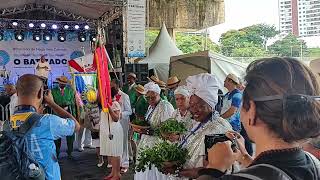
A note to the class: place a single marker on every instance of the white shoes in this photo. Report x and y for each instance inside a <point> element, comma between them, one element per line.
<point>109,166</point>
<point>100,164</point>
<point>81,149</point>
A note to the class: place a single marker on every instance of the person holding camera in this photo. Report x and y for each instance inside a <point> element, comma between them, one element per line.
<point>111,136</point>
<point>280,111</point>
<point>48,128</point>
<point>202,104</point>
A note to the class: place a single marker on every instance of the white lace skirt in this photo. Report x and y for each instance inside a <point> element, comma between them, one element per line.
<point>109,147</point>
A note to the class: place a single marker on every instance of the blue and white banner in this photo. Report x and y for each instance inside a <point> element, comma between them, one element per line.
<point>136,27</point>
<point>20,57</point>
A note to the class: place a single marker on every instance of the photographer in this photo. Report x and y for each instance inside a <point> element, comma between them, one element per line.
<point>41,138</point>
<point>280,111</point>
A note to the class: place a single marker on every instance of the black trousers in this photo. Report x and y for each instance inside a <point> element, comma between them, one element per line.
<point>70,140</point>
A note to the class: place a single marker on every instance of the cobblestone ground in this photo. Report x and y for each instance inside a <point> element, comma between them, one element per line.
<point>83,166</point>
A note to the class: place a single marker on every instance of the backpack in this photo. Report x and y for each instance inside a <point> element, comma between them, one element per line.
<point>16,161</point>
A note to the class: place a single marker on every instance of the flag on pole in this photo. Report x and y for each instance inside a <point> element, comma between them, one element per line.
<point>83,64</point>
<point>102,62</point>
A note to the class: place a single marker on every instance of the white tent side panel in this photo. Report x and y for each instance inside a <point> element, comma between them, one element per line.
<point>160,52</point>
<point>202,62</point>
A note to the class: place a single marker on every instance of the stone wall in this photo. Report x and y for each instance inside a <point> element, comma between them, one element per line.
<point>186,14</point>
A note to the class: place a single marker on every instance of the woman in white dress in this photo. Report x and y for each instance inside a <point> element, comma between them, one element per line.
<point>182,114</point>
<point>111,138</point>
<point>202,103</point>
<point>158,111</point>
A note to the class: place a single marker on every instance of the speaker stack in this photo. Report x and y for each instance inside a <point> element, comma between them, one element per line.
<point>141,70</point>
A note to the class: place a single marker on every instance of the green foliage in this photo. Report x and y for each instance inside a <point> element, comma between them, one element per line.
<point>151,36</point>
<point>187,43</point>
<point>140,122</point>
<point>314,52</point>
<point>190,43</point>
<point>289,46</point>
<point>160,153</point>
<point>248,50</point>
<point>172,126</point>
<point>247,42</point>
<point>261,33</point>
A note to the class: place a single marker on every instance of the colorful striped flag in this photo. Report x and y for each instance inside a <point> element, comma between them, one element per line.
<point>101,58</point>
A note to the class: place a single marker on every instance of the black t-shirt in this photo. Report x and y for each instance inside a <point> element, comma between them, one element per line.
<point>294,163</point>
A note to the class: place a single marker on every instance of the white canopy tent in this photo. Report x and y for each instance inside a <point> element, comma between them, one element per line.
<point>204,61</point>
<point>160,52</point>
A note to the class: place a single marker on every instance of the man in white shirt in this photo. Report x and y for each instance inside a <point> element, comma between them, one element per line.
<point>11,91</point>
<point>42,68</point>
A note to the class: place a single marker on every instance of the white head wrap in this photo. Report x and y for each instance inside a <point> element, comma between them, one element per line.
<point>183,90</point>
<point>151,86</point>
<point>205,86</point>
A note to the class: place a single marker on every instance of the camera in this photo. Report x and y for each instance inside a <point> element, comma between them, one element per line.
<point>213,139</point>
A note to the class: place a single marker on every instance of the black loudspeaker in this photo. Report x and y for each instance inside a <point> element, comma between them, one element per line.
<point>141,70</point>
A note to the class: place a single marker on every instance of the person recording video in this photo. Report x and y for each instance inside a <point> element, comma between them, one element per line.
<point>280,112</point>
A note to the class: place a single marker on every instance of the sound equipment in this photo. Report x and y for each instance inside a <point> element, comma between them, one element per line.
<point>141,70</point>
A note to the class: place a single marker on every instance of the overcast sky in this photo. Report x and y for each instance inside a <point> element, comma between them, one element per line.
<point>242,13</point>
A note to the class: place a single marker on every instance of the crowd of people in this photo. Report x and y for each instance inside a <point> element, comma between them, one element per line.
<point>276,105</point>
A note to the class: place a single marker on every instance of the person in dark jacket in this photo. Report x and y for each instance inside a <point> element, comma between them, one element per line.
<point>280,111</point>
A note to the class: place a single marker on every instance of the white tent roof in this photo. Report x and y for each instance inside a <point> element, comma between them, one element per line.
<point>204,61</point>
<point>160,52</point>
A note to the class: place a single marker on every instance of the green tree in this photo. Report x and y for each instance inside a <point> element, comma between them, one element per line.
<point>314,52</point>
<point>151,36</point>
<point>187,43</point>
<point>260,33</point>
<point>190,43</point>
<point>248,50</point>
<point>289,46</point>
<point>247,42</point>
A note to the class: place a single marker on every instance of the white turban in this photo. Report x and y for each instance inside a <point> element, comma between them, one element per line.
<point>183,90</point>
<point>151,86</point>
<point>205,86</point>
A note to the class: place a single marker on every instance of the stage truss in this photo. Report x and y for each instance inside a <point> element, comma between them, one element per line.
<point>113,13</point>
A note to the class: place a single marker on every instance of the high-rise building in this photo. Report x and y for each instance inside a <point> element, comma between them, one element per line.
<point>300,17</point>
